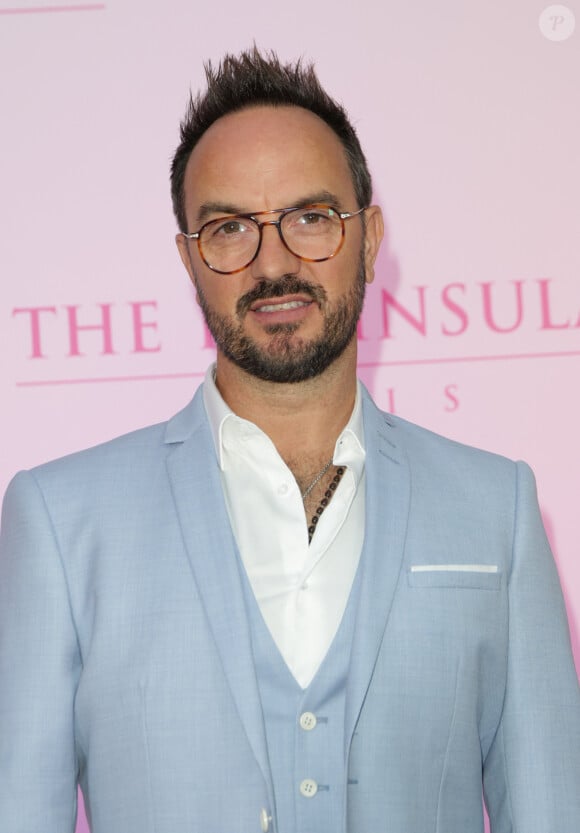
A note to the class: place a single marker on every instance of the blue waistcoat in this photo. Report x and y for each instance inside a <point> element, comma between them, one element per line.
<point>305,729</point>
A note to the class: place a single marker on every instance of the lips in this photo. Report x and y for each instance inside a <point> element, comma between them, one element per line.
<point>274,296</point>
<point>280,306</point>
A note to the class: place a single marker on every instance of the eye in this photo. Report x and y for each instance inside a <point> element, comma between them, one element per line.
<point>313,216</point>
<point>311,221</point>
<point>230,227</point>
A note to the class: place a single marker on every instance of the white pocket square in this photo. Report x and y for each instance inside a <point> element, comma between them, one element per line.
<point>454,568</point>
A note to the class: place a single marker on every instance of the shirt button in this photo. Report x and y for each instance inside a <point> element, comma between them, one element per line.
<point>283,489</point>
<point>265,820</point>
<point>308,788</point>
<point>307,721</point>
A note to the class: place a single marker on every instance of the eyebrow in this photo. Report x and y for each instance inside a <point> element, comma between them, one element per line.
<point>207,209</point>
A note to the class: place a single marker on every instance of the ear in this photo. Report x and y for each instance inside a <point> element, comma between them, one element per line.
<point>183,249</point>
<point>374,231</point>
<point>184,253</point>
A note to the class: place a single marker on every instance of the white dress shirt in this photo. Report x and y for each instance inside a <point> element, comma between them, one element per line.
<point>301,589</point>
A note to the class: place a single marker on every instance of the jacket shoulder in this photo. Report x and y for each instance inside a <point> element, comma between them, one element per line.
<point>446,471</point>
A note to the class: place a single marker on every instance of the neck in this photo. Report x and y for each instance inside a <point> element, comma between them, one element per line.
<point>302,419</point>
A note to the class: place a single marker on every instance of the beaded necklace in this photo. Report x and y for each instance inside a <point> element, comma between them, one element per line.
<point>332,486</point>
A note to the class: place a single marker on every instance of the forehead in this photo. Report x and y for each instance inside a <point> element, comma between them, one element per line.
<point>267,157</point>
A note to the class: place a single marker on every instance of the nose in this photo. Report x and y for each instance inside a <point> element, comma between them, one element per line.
<point>274,260</point>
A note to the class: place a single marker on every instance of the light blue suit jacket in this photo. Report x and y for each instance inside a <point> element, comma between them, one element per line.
<point>126,662</point>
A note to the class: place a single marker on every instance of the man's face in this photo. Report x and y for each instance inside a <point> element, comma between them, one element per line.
<point>280,319</point>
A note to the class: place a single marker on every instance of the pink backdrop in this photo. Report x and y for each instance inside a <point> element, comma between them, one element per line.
<point>469,116</point>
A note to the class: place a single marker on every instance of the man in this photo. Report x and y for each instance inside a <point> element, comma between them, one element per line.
<point>283,610</point>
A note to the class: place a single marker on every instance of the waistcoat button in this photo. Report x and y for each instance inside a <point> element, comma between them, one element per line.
<point>265,820</point>
<point>307,721</point>
<point>308,788</point>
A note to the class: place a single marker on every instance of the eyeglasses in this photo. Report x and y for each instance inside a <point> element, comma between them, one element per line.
<point>313,233</point>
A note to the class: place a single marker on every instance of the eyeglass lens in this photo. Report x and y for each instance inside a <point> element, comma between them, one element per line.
<point>312,233</point>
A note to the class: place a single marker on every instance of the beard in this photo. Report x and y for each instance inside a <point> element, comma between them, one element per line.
<point>287,358</point>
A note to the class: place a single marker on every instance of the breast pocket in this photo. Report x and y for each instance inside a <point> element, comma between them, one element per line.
<point>467,576</point>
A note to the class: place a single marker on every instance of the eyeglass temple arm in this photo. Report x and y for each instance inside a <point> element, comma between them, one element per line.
<point>346,215</point>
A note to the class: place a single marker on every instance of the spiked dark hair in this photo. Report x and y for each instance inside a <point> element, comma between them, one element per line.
<point>255,79</point>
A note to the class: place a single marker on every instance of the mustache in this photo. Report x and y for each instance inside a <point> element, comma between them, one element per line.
<point>286,285</point>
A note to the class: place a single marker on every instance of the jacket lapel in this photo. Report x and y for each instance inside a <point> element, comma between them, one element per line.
<point>387,510</point>
<point>195,482</point>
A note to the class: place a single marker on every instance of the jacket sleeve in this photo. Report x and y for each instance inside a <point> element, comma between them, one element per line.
<point>532,771</point>
<point>39,670</point>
